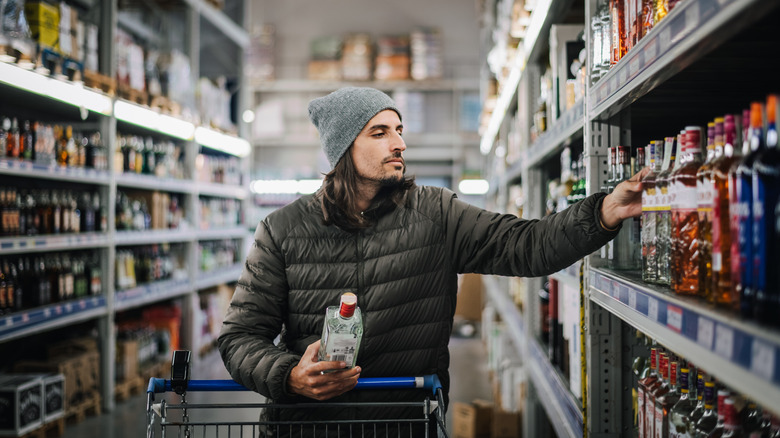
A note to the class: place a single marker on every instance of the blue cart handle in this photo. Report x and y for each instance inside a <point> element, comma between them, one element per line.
<point>431,381</point>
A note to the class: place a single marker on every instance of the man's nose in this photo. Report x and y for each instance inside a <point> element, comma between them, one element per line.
<point>397,143</point>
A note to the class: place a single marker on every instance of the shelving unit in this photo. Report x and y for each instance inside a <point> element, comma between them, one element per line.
<point>658,86</point>
<point>72,103</point>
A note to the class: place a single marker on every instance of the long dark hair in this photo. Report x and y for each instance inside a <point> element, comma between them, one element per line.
<point>339,193</point>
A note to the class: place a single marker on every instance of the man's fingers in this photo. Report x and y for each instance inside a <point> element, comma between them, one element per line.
<point>312,351</point>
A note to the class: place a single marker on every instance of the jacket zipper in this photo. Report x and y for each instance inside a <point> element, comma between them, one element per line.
<point>359,273</point>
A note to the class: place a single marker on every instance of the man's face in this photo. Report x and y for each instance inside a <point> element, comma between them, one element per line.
<point>377,150</point>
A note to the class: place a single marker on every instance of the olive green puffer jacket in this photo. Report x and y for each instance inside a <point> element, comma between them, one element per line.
<point>404,272</point>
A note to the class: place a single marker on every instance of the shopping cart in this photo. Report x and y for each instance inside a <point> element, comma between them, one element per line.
<point>178,420</point>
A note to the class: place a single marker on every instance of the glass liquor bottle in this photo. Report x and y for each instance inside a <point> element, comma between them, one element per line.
<point>648,17</point>
<point>665,403</point>
<point>678,416</point>
<point>709,418</point>
<point>672,149</point>
<point>606,38</point>
<point>643,388</point>
<point>597,32</point>
<point>698,411</point>
<point>658,389</point>
<point>732,428</point>
<point>627,244</point>
<point>650,201</point>
<point>685,217</point>
<point>744,206</point>
<point>719,428</point>
<point>766,194</point>
<point>342,332</point>
<point>607,251</point>
<point>722,215</point>
<point>704,205</point>
<point>618,28</point>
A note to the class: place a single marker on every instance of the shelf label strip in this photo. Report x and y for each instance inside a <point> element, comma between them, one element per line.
<point>28,319</point>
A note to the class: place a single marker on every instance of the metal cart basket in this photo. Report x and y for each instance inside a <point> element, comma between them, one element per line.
<point>189,420</point>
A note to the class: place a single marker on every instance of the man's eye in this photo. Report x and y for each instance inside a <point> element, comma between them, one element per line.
<point>378,134</point>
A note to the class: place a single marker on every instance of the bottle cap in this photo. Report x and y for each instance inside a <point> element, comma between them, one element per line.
<point>348,304</point>
<point>755,115</point>
<point>771,108</point>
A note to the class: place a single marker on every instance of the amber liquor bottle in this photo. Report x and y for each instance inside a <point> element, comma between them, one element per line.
<point>721,215</point>
<point>704,205</point>
<point>685,218</point>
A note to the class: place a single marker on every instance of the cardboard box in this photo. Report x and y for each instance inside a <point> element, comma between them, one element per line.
<point>22,399</point>
<point>53,394</point>
<point>506,425</point>
<point>472,420</point>
<point>126,360</point>
<point>44,22</point>
<point>469,304</point>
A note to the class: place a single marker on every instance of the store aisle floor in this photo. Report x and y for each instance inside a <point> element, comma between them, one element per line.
<point>469,381</point>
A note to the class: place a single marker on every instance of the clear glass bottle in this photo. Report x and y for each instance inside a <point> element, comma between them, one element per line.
<point>665,403</point>
<point>664,225</point>
<point>678,416</point>
<point>607,251</point>
<point>709,418</point>
<point>685,218</point>
<point>698,411</point>
<point>650,201</point>
<point>627,244</point>
<point>721,215</point>
<point>342,332</point>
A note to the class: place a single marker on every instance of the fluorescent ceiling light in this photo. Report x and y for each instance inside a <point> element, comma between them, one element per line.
<point>66,92</point>
<point>285,186</point>
<point>473,186</point>
<point>221,142</point>
<point>146,118</point>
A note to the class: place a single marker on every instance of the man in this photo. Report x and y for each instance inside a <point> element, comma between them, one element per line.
<point>399,247</point>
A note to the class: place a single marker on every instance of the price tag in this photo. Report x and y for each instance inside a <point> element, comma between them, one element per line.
<point>633,66</point>
<point>674,318</point>
<point>705,333</point>
<point>763,361</point>
<point>692,16</point>
<point>9,321</point>
<point>46,313</point>
<point>665,39</point>
<point>651,50</point>
<point>58,310</point>
<point>82,304</point>
<point>623,76</point>
<point>632,299</point>
<point>25,318</point>
<point>652,309</point>
<point>68,307</point>
<point>724,341</point>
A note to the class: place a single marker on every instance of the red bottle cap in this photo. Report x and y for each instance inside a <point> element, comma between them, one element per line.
<point>348,304</point>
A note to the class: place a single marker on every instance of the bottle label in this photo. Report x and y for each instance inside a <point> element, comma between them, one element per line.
<point>685,198</point>
<point>745,238</point>
<point>704,195</point>
<point>341,347</point>
<point>649,417</point>
<point>640,411</point>
<point>766,193</point>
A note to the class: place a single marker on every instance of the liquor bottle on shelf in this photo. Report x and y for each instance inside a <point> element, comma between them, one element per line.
<point>26,140</point>
<point>709,418</point>
<point>598,34</point>
<point>698,411</point>
<point>618,29</point>
<point>661,9</point>
<point>342,332</point>
<point>704,205</point>
<point>744,206</point>
<point>732,427</point>
<point>664,225</point>
<point>607,251</point>
<point>14,136</point>
<point>766,194</point>
<point>685,219</point>
<point>650,201</point>
<point>631,24</point>
<point>680,412</point>
<point>648,17</point>
<point>665,403</point>
<point>752,420</point>
<point>655,391</point>
<point>627,244</point>
<point>722,215</point>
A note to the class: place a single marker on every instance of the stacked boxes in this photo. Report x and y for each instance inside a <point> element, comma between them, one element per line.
<point>392,58</point>
<point>21,404</point>
<point>325,61</point>
<point>427,53</point>
<point>356,59</point>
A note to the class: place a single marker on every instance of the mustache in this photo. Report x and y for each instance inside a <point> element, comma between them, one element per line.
<point>395,156</point>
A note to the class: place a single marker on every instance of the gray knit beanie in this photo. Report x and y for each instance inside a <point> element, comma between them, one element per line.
<point>342,114</point>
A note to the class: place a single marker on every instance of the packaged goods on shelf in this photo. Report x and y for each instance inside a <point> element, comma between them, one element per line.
<point>36,212</point>
<point>23,400</point>
<point>214,104</point>
<point>392,58</point>
<point>49,144</point>
<point>148,264</point>
<point>357,58</point>
<point>218,213</point>
<point>213,304</point>
<point>149,156</point>
<point>130,72</point>
<point>15,38</point>
<point>218,169</point>
<point>565,47</point>
<point>427,54</point>
<point>44,21</point>
<point>325,58</point>
<point>260,56</point>
<point>412,106</point>
<point>149,210</point>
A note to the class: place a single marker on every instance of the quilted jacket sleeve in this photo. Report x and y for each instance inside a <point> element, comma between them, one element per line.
<point>254,319</point>
<point>502,244</point>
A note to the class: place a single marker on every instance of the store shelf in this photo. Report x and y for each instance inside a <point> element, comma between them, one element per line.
<point>149,182</point>
<point>687,33</point>
<point>29,169</point>
<point>307,86</point>
<point>539,17</point>
<point>569,276</point>
<point>221,190</point>
<point>222,233</point>
<point>221,21</point>
<point>54,242</point>
<point>227,274</point>
<point>29,322</point>
<point>739,353</point>
<point>153,121</point>
<point>553,391</point>
<point>70,93</point>
<point>568,126</point>
<point>149,237</point>
<point>151,293</point>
